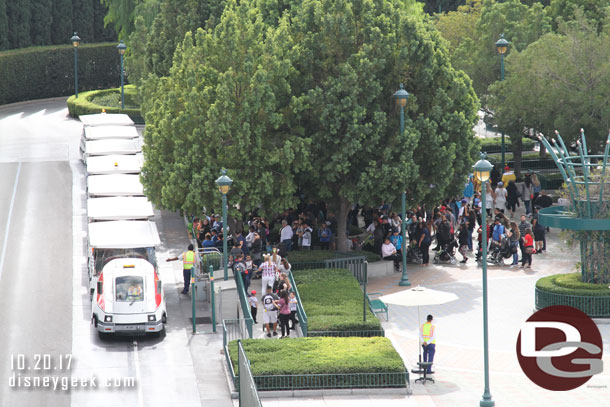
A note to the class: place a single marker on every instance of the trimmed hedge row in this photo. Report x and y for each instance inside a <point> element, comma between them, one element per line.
<point>319,356</point>
<point>570,284</point>
<point>44,72</point>
<point>494,145</point>
<point>299,256</point>
<point>84,104</point>
<point>332,299</point>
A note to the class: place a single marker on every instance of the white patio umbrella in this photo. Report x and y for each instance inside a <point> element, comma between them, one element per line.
<point>417,296</point>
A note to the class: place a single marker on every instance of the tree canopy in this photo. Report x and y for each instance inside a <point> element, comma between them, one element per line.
<point>307,102</point>
<point>559,82</point>
<point>24,23</point>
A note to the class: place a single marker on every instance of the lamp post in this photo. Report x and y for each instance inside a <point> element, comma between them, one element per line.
<point>502,47</point>
<point>75,42</point>
<point>121,48</point>
<point>224,184</point>
<point>482,169</point>
<point>400,96</point>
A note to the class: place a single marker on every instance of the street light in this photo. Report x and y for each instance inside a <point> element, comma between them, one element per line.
<point>482,169</point>
<point>502,47</point>
<point>121,48</point>
<point>75,42</point>
<point>224,184</point>
<point>400,96</point>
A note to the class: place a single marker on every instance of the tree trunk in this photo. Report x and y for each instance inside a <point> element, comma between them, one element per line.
<point>344,205</point>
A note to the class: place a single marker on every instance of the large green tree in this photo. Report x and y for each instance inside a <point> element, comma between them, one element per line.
<point>83,14</point>
<point>121,14</point>
<point>19,13</point>
<point>225,103</point>
<point>41,22</point>
<point>520,24</point>
<point>560,82</point>
<point>4,44</point>
<point>352,56</point>
<point>305,99</point>
<point>61,24</point>
<point>565,10</point>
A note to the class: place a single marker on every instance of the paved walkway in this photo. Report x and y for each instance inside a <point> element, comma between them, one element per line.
<point>459,357</point>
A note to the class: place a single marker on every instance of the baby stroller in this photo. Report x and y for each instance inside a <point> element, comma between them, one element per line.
<point>447,253</point>
<point>499,252</point>
<point>414,255</point>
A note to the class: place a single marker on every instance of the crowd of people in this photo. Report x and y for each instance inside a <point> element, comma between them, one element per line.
<point>260,255</point>
<point>454,222</point>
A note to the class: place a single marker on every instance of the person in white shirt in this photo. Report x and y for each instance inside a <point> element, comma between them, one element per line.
<point>250,237</point>
<point>500,197</point>
<point>286,236</point>
<point>305,239</point>
<point>388,252</point>
<point>268,269</point>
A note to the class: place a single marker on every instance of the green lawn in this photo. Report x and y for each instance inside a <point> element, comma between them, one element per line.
<point>332,299</point>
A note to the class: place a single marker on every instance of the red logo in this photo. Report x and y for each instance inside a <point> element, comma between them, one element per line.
<point>560,348</point>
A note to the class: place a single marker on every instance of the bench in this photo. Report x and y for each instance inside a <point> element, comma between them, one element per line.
<point>377,306</point>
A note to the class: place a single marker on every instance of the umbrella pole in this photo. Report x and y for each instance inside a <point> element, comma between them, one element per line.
<point>418,335</point>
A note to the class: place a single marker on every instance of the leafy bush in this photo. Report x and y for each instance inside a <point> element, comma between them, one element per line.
<point>494,145</point>
<point>305,256</point>
<point>570,284</point>
<point>91,102</point>
<point>319,356</point>
<point>43,72</point>
<point>332,299</point>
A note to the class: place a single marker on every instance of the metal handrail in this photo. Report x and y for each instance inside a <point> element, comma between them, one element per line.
<point>300,310</point>
<point>243,301</point>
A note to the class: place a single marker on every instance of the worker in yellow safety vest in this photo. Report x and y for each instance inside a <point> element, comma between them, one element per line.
<point>188,262</point>
<point>428,341</point>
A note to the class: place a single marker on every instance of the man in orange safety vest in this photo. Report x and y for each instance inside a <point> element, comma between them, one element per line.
<point>428,341</point>
<point>188,262</point>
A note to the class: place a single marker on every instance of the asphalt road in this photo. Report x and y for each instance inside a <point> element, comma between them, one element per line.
<point>44,304</point>
<point>35,257</point>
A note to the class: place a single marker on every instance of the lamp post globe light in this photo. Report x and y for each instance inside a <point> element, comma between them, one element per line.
<point>75,43</point>
<point>482,170</point>
<point>502,47</point>
<point>224,184</point>
<point>121,48</point>
<point>401,96</point>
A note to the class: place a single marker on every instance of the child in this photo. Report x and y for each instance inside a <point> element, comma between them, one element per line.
<point>293,309</point>
<point>249,265</point>
<point>253,304</point>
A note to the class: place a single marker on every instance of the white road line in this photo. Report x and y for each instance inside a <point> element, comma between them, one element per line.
<point>138,376</point>
<point>8,219</point>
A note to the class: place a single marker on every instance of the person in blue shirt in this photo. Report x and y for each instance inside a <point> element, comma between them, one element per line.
<point>498,230</point>
<point>324,233</point>
<point>396,240</point>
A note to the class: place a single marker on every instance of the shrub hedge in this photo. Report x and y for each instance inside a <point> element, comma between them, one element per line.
<point>332,299</point>
<point>43,72</point>
<point>570,284</point>
<point>299,256</point>
<point>494,145</point>
<point>85,104</point>
<point>319,356</point>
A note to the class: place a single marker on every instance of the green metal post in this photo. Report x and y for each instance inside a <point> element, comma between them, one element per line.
<point>503,141</point>
<point>225,256</point>
<point>404,279</point>
<point>122,84</point>
<point>213,299</point>
<point>193,295</point>
<point>76,71</point>
<point>364,299</point>
<point>486,401</point>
